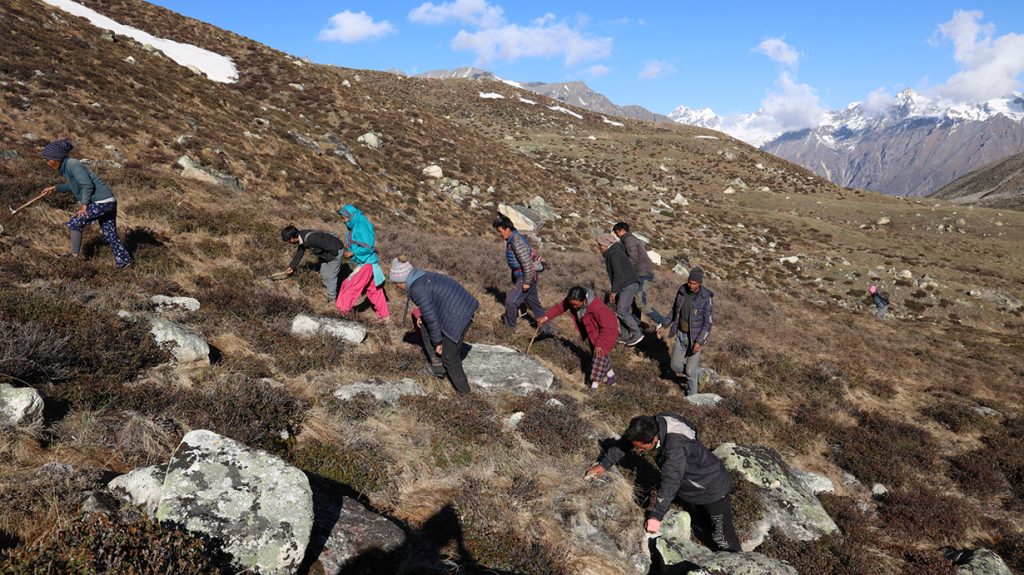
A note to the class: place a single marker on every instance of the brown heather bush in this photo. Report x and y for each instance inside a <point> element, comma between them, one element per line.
<point>361,466</point>
<point>557,430</point>
<point>977,472</point>
<point>847,552</point>
<point>250,411</point>
<point>927,562</point>
<point>1011,549</point>
<point>95,544</point>
<point>955,416</point>
<point>923,513</point>
<point>1005,447</point>
<point>747,505</point>
<point>884,450</point>
<point>31,354</point>
<point>463,424</point>
<point>139,440</point>
<point>35,501</point>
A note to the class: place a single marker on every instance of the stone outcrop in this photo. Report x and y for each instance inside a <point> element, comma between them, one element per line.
<point>350,331</point>
<point>164,303</point>
<point>433,171</point>
<point>789,505</point>
<point>141,487</point>
<point>260,507</point>
<point>195,171</point>
<point>491,367</point>
<point>20,406</point>
<point>371,140</point>
<point>388,392</point>
<point>524,219</point>
<point>982,562</point>
<point>187,346</point>
<point>681,555</point>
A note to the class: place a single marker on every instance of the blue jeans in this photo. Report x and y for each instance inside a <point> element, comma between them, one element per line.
<point>515,298</point>
<point>629,326</point>
<point>684,361</point>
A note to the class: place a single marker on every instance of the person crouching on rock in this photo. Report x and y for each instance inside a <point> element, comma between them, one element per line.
<point>690,473</point>
<point>595,322</point>
<point>96,201</point>
<point>445,310</point>
<point>326,246</point>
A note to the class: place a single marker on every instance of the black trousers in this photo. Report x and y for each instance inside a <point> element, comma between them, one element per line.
<point>713,524</point>
<point>450,360</point>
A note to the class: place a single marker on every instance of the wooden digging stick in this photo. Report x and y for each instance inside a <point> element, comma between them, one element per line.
<point>28,203</point>
<point>535,332</point>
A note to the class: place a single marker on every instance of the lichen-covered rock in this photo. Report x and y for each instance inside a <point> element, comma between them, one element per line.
<point>260,507</point>
<point>187,346</point>
<point>497,367</point>
<point>681,555</point>
<point>371,140</point>
<point>388,392</point>
<point>813,482</point>
<point>789,505</point>
<point>164,303</point>
<point>195,171</point>
<point>349,331</point>
<point>983,562</point>
<point>142,487</point>
<point>20,406</point>
<point>345,531</point>
<point>704,399</point>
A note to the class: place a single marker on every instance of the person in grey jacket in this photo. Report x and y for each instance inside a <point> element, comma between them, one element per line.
<point>637,252</point>
<point>624,287</point>
<point>690,324</point>
<point>327,247</point>
<point>519,257</point>
<point>444,311</point>
<point>96,201</point>
<point>690,473</point>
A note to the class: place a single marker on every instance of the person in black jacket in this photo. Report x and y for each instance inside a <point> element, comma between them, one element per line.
<point>444,311</point>
<point>689,473</point>
<point>327,247</point>
<point>625,285</point>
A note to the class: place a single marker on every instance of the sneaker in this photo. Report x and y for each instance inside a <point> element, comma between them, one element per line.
<point>658,326</point>
<point>126,266</point>
<point>635,340</point>
<point>594,385</point>
<point>611,380</point>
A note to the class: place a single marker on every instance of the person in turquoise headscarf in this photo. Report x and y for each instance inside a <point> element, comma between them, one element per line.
<point>366,272</point>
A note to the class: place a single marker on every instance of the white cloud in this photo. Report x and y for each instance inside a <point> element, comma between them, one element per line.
<point>878,102</point>
<point>794,106</point>
<point>777,49</point>
<point>656,69</point>
<point>990,66</point>
<point>597,70</point>
<point>350,27</point>
<point>510,42</point>
<point>475,12</point>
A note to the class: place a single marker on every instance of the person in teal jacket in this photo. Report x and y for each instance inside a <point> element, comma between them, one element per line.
<point>366,272</point>
<point>96,202</point>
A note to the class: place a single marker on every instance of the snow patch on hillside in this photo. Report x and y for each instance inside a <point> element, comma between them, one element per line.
<point>565,111</point>
<point>612,122</point>
<point>491,96</point>
<point>525,101</point>
<point>216,67</point>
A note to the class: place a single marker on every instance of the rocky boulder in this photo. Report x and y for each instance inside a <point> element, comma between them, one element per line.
<point>187,346</point>
<point>349,537</point>
<point>492,367</point>
<point>371,140</point>
<point>433,171</point>
<point>195,171</point>
<point>524,219</point>
<point>20,406</point>
<point>388,392</point>
<point>704,399</point>
<point>164,303</point>
<point>981,562</point>
<point>141,487</point>
<point>350,331</point>
<point>789,505</point>
<point>681,555</point>
<point>260,507</point>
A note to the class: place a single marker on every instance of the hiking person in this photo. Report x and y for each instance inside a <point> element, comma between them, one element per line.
<point>644,268</point>
<point>881,300</point>
<point>444,311</point>
<point>366,274</point>
<point>595,323</point>
<point>524,266</point>
<point>328,249</point>
<point>690,324</point>
<point>625,285</point>
<point>96,201</point>
<point>690,473</point>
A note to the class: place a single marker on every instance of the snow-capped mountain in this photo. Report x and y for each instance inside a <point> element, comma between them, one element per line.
<point>910,145</point>
<point>576,93</point>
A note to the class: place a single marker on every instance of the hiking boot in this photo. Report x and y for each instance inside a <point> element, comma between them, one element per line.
<point>635,340</point>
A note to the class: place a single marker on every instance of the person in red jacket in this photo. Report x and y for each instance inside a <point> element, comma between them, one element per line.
<point>597,323</point>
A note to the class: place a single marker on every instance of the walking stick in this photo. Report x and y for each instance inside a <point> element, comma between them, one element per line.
<point>535,332</point>
<point>28,203</point>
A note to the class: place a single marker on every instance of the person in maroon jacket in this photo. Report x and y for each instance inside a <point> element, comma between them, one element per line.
<point>596,323</point>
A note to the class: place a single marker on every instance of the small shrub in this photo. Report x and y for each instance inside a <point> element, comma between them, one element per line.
<point>360,466</point>
<point>884,450</point>
<point>98,545</point>
<point>930,562</point>
<point>33,501</point>
<point>978,474</point>
<point>558,429</point>
<point>925,514</point>
<point>30,353</point>
<point>955,416</point>
<point>1011,549</point>
<point>747,505</point>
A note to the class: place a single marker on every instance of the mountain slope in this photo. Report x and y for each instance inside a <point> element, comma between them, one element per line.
<point>997,185</point>
<point>927,403</point>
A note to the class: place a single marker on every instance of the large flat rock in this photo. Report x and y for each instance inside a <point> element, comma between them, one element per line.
<point>493,367</point>
<point>350,331</point>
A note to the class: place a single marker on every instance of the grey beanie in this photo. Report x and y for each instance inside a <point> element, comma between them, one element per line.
<point>696,275</point>
<point>400,268</point>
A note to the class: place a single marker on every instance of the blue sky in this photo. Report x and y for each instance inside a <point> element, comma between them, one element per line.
<point>733,57</point>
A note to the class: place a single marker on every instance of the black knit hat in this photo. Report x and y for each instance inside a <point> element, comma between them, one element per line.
<point>57,149</point>
<point>696,275</point>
